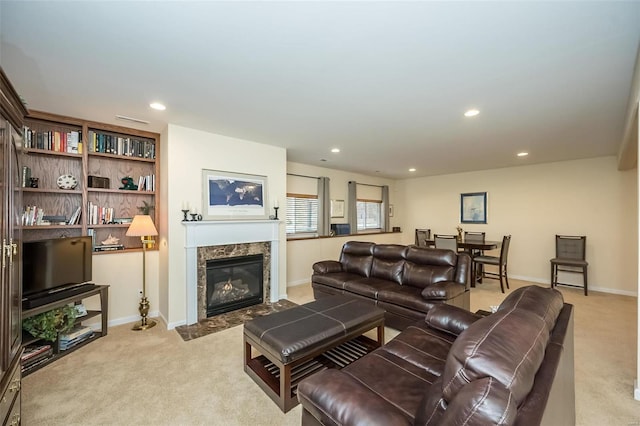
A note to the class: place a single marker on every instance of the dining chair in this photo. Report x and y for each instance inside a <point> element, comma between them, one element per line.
<point>449,242</point>
<point>422,235</point>
<point>499,261</point>
<point>474,237</point>
<point>570,257</point>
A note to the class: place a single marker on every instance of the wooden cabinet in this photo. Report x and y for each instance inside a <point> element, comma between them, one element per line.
<point>98,157</point>
<point>11,119</point>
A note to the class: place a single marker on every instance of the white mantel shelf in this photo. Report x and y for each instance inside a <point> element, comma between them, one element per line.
<point>221,232</point>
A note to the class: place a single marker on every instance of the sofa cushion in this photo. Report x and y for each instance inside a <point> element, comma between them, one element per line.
<point>425,266</point>
<point>400,371</point>
<point>407,296</point>
<point>388,262</point>
<point>369,287</point>
<point>336,279</point>
<point>356,257</point>
<point>336,398</point>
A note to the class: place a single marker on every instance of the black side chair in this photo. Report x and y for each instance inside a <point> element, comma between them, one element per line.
<point>449,242</point>
<point>570,257</point>
<point>422,235</point>
<point>499,261</point>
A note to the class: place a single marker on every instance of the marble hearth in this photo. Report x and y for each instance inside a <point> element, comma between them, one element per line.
<point>215,239</point>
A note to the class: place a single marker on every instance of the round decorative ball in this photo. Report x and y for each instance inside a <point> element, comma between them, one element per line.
<point>67,182</point>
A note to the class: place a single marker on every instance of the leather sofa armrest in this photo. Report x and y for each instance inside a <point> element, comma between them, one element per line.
<point>450,319</point>
<point>327,266</point>
<point>333,397</point>
<point>444,290</point>
<point>481,402</point>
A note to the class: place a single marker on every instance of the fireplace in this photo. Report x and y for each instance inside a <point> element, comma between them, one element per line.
<point>206,240</point>
<point>234,283</point>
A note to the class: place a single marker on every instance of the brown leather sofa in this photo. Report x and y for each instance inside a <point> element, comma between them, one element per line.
<point>405,281</point>
<point>513,367</point>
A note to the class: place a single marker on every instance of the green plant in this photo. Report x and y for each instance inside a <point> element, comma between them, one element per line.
<point>48,325</point>
<point>146,209</point>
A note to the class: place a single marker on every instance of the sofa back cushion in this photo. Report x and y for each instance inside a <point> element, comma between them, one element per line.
<point>356,257</point>
<point>508,345</point>
<point>426,266</point>
<point>541,301</point>
<point>388,262</point>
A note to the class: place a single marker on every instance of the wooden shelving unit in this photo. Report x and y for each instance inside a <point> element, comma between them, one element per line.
<point>47,165</point>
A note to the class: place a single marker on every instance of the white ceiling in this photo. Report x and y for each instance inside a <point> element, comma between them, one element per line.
<point>386,82</point>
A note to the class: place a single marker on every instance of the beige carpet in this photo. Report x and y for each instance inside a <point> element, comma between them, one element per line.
<point>156,378</point>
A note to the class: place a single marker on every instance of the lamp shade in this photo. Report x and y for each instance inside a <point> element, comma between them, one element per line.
<point>141,226</point>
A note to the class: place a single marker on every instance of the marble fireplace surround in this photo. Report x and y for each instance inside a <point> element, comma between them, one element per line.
<point>205,238</point>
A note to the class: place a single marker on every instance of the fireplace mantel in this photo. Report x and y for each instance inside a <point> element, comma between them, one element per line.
<point>215,233</point>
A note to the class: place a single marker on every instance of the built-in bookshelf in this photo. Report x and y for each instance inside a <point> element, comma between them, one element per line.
<point>81,177</point>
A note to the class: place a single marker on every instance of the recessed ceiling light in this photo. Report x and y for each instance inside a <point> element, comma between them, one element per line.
<point>157,106</point>
<point>523,154</point>
<point>471,113</point>
<point>335,150</point>
<point>412,169</point>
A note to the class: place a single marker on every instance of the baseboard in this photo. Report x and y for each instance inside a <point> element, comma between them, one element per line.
<point>298,282</point>
<point>636,390</point>
<point>545,281</point>
<point>123,320</point>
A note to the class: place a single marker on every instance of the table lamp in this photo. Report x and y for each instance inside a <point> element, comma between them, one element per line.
<point>142,226</point>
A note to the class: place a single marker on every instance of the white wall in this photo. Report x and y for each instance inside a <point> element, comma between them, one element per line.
<point>123,273</point>
<point>187,152</point>
<point>533,204</point>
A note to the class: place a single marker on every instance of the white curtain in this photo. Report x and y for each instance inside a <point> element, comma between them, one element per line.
<point>324,206</point>
<point>352,208</point>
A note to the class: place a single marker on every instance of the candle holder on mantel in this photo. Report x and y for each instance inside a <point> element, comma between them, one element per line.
<point>276,210</point>
<point>185,212</point>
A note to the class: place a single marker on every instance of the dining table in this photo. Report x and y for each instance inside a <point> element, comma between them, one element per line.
<point>473,246</point>
<point>469,246</point>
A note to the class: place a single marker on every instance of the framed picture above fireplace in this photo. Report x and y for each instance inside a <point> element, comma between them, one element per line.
<point>232,196</point>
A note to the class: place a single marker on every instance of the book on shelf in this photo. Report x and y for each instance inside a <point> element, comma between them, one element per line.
<point>75,333</point>
<point>108,247</point>
<point>75,217</point>
<point>32,351</point>
<point>78,335</point>
<point>26,177</point>
<point>32,216</point>
<point>120,145</point>
<point>33,363</point>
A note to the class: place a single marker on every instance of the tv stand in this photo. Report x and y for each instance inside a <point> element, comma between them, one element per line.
<point>55,295</point>
<point>96,290</point>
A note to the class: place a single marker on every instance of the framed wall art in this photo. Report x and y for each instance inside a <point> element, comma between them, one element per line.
<point>228,196</point>
<point>473,207</point>
<point>337,208</point>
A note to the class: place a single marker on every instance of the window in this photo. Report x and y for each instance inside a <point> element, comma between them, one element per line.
<point>369,214</point>
<point>302,213</point>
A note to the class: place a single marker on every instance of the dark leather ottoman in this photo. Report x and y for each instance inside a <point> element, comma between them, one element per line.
<point>300,341</point>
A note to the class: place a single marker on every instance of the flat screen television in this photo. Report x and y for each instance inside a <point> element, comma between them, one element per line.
<point>55,264</point>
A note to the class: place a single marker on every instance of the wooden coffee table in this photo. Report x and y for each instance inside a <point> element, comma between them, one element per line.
<point>300,341</point>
